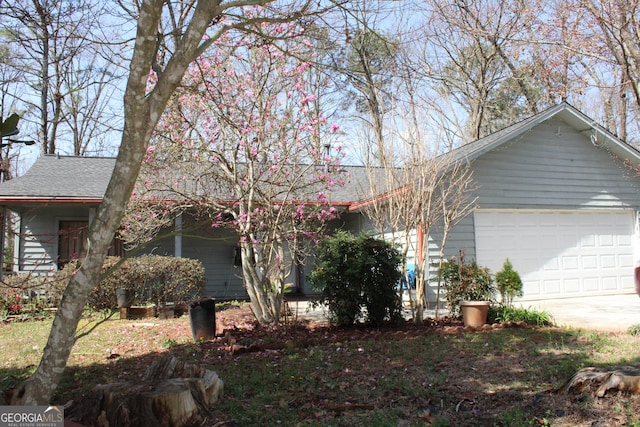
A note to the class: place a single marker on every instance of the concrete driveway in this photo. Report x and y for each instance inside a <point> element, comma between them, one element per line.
<point>604,313</point>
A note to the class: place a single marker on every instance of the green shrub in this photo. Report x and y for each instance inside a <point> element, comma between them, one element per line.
<point>509,283</point>
<point>151,279</point>
<point>504,313</point>
<point>465,282</point>
<point>355,272</point>
<point>380,264</point>
<point>634,329</point>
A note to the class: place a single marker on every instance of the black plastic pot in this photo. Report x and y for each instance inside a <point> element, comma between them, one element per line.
<point>203,319</point>
<point>124,298</point>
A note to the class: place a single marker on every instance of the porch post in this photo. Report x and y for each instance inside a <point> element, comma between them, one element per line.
<point>178,237</point>
<point>17,243</point>
<point>420,238</point>
<point>3,228</point>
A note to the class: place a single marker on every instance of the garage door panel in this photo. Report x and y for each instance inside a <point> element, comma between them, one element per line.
<point>551,287</point>
<point>625,241</point>
<point>608,261</point>
<point>559,253</point>
<point>606,241</point>
<point>588,241</point>
<point>589,262</point>
<point>626,261</point>
<point>610,283</point>
<point>628,283</point>
<point>552,265</point>
<point>591,284</point>
<point>572,286</point>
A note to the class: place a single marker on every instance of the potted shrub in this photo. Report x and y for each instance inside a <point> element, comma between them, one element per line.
<point>469,290</point>
<point>509,283</point>
<point>124,297</point>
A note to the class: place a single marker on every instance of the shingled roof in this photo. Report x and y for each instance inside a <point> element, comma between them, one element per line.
<point>65,179</point>
<point>62,178</point>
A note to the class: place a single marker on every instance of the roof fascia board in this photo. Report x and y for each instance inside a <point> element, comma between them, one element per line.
<point>40,200</point>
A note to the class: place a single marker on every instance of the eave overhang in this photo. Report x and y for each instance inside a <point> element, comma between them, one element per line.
<point>24,201</point>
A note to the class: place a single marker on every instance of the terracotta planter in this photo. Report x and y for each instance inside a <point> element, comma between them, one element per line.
<point>474,313</point>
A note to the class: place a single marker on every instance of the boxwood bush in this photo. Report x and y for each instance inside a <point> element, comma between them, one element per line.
<point>150,279</point>
<point>356,272</point>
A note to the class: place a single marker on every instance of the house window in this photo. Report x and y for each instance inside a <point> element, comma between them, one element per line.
<point>73,241</point>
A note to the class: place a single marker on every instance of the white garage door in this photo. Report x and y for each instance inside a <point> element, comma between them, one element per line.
<point>559,254</point>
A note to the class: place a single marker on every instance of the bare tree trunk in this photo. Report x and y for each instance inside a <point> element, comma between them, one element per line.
<point>39,388</point>
<point>253,284</point>
<point>142,112</point>
<point>266,302</point>
<point>421,271</point>
<point>43,136</point>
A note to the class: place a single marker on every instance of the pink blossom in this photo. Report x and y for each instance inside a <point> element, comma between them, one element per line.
<point>334,127</point>
<point>307,99</point>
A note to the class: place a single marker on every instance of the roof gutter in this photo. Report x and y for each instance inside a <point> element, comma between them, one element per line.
<point>45,200</point>
<point>98,200</point>
<point>356,206</point>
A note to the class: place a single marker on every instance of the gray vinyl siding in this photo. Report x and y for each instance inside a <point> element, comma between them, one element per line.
<point>215,250</point>
<point>163,247</point>
<point>353,222</point>
<point>553,166</point>
<point>38,248</point>
<point>457,243</point>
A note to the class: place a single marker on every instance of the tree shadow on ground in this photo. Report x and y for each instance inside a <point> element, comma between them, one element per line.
<point>438,373</point>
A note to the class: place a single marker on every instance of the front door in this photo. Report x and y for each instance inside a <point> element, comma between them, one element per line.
<point>72,242</point>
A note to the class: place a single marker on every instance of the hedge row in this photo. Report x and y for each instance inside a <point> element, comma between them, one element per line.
<point>150,279</point>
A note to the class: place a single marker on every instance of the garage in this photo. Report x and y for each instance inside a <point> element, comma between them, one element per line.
<point>559,253</point>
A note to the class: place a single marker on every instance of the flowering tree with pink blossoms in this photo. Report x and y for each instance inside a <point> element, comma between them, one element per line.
<point>244,143</point>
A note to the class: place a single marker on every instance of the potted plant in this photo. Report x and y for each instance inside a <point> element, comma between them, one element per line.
<point>124,297</point>
<point>469,290</point>
<point>509,283</point>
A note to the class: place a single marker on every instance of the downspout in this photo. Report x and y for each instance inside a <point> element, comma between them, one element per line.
<point>636,253</point>
<point>419,272</point>
<point>178,237</point>
<point>2,240</point>
<point>420,238</point>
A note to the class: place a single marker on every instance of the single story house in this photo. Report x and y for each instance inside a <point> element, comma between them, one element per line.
<point>557,195</point>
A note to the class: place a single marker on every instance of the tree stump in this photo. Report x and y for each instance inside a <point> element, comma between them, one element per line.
<point>172,393</point>
<point>600,381</point>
